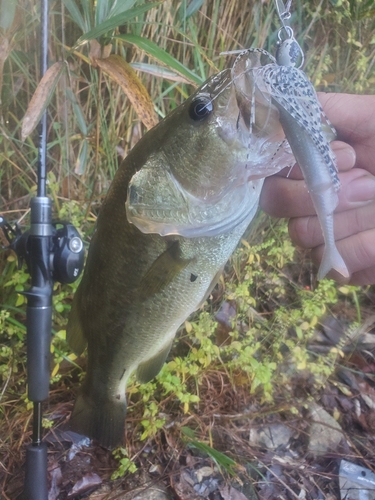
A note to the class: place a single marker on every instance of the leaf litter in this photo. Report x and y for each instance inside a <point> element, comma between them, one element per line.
<point>287,467</point>
<point>232,444</point>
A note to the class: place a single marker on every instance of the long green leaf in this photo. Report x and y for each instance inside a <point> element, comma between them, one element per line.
<point>160,71</point>
<point>17,310</point>
<point>14,322</point>
<point>121,6</point>
<point>82,158</point>
<point>161,55</point>
<point>115,21</point>
<point>76,14</point>
<point>219,458</point>
<point>77,111</point>
<point>191,9</point>
<point>103,7</point>
<point>88,13</point>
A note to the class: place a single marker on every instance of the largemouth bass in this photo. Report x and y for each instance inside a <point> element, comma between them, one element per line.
<point>175,212</point>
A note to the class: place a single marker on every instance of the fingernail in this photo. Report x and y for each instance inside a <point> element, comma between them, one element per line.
<point>361,189</point>
<point>345,155</point>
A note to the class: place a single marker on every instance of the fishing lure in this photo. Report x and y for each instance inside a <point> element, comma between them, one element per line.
<point>258,75</point>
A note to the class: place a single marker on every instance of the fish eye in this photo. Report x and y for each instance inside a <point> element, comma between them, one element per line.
<point>200,108</point>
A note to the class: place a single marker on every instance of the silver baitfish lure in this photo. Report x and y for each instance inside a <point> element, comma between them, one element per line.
<point>259,76</point>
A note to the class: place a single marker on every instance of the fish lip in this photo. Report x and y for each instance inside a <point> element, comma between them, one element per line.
<point>193,226</point>
<point>232,126</point>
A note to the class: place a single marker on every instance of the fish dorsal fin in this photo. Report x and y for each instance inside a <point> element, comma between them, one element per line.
<point>74,331</point>
<point>163,271</point>
<point>147,370</point>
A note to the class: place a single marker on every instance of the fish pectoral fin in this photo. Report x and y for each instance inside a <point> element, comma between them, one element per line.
<point>147,370</point>
<point>163,271</point>
<point>74,332</point>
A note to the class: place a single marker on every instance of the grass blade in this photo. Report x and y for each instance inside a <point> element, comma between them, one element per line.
<point>76,15</point>
<point>82,158</point>
<point>159,71</point>
<point>121,6</point>
<point>115,21</point>
<point>161,55</point>
<point>219,458</point>
<point>191,9</point>
<point>77,112</point>
<point>103,7</point>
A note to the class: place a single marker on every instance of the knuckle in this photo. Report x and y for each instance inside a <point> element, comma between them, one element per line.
<point>305,231</point>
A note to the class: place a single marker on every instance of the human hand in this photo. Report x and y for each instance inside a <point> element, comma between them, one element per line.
<point>354,220</point>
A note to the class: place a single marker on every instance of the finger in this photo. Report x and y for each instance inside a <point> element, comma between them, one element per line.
<point>358,251</point>
<point>364,277</point>
<point>281,197</point>
<point>345,155</point>
<point>353,116</point>
<point>350,114</point>
<point>307,233</point>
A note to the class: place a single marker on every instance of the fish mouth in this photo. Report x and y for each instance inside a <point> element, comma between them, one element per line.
<point>165,202</point>
<point>243,107</point>
<point>257,112</point>
<point>251,120</point>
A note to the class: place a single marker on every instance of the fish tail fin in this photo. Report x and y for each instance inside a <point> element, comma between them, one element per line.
<point>103,421</point>
<point>332,260</point>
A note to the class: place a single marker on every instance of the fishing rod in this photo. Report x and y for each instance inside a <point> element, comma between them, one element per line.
<point>52,252</point>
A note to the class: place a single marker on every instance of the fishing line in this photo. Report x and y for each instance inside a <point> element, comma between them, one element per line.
<point>284,12</point>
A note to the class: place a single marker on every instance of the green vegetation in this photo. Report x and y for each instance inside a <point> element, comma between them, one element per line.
<point>173,45</point>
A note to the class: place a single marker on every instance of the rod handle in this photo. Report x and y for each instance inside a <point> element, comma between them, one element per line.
<point>36,487</point>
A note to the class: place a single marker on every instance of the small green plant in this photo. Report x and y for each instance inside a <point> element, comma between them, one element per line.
<point>125,463</point>
<point>151,421</point>
<point>222,461</point>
